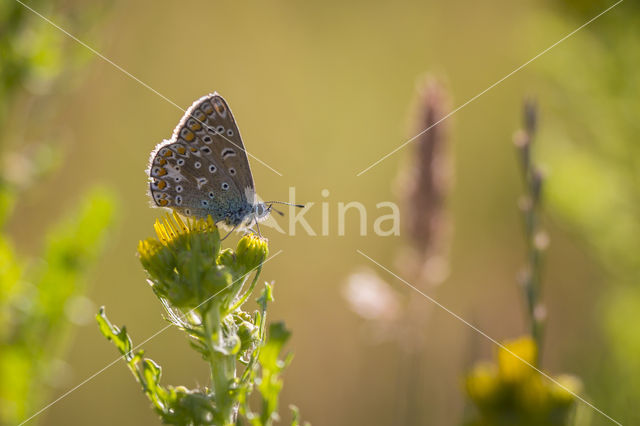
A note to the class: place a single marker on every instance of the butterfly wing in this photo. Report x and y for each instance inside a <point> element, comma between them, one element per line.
<point>204,168</point>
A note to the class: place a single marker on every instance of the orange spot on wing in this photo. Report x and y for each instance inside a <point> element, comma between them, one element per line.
<point>207,108</point>
<point>219,107</point>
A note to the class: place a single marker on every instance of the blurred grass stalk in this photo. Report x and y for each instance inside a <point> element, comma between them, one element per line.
<point>536,238</point>
<point>423,188</point>
<point>509,391</point>
<point>41,298</point>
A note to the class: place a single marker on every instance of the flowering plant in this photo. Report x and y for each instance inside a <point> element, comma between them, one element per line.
<point>203,289</point>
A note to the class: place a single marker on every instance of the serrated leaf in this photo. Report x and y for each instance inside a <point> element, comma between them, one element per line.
<point>119,337</point>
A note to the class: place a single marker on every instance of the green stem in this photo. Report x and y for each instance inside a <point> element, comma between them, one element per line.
<point>247,293</point>
<point>532,284</point>
<point>222,367</point>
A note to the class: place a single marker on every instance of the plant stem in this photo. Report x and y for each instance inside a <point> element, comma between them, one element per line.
<point>249,291</point>
<point>532,281</point>
<point>534,235</point>
<point>222,367</point>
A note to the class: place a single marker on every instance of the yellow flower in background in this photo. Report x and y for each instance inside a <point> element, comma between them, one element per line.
<point>482,383</point>
<point>511,392</point>
<point>511,357</point>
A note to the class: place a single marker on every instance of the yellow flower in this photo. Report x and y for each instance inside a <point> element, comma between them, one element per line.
<point>482,384</point>
<point>512,392</point>
<point>187,268</point>
<point>513,359</point>
<point>170,230</point>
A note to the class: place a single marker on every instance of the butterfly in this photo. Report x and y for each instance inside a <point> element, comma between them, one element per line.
<point>204,169</point>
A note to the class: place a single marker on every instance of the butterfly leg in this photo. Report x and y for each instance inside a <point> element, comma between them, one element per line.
<point>229,233</point>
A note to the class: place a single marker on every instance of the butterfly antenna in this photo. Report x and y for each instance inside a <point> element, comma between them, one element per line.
<point>285,203</point>
<point>276,210</point>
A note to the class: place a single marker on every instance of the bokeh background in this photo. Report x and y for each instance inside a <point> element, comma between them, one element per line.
<point>320,91</point>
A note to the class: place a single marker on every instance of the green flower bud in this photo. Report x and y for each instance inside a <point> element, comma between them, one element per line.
<point>251,251</point>
<point>227,258</point>
<point>249,335</point>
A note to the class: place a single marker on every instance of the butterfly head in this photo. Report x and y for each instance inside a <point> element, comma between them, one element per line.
<point>261,211</point>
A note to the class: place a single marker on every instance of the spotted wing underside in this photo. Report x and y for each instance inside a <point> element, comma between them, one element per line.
<point>204,168</point>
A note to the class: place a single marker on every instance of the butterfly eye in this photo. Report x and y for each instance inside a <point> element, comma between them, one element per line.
<point>225,186</point>
<point>179,188</point>
<point>220,129</point>
<point>207,139</point>
<point>204,203</point>
<point>180,162</point>
<point>229,132</point>
<point>197,164</point>
<point>212,169</point>
<point>211,195</point>
<point>232,171</point>
<point>178,200</point>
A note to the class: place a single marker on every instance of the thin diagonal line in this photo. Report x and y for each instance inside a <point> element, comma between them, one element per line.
<point>458,317</point>
<point>162,330</point>
<point>127,73</point>
<point>488,88</point>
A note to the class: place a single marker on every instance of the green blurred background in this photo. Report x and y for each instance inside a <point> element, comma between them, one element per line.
<point>320,91</point>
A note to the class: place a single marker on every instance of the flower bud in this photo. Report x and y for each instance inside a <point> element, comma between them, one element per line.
<point>251,251</point>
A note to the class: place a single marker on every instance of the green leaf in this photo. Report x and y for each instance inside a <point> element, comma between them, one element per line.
<point>266,296</point>
<point>119,337</point>
<point>270,383</point>
<point>278,336</point>
<point>295,415</point>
